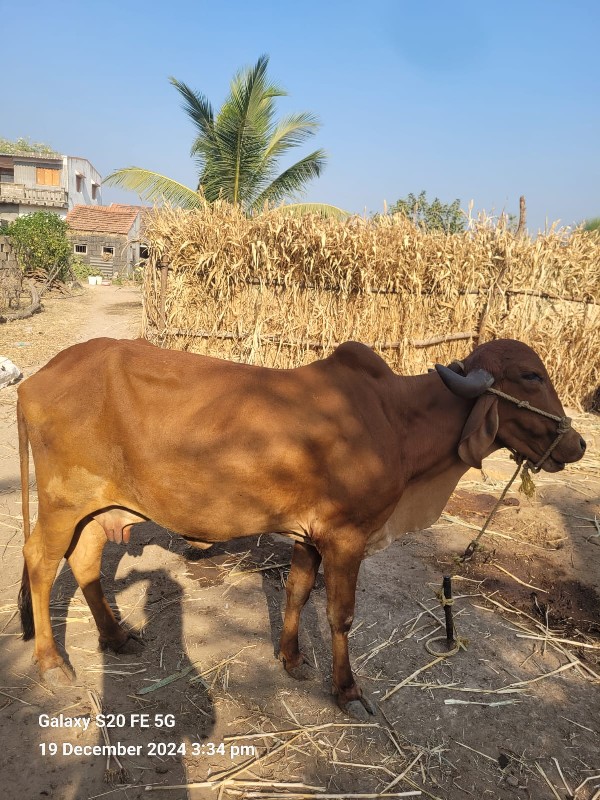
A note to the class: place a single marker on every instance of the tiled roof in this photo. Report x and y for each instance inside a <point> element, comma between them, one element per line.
<point>103,219</point>
<point>145,211</point>
<point>122,206</point>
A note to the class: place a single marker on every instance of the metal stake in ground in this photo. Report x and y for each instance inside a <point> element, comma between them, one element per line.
<point>454,643</point>
<point>447,602</point>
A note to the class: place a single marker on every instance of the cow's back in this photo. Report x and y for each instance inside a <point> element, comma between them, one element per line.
<point>252,448</point>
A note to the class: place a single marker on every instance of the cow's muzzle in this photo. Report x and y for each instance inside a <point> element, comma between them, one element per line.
<point>571,448</point>
<point>566,446</point>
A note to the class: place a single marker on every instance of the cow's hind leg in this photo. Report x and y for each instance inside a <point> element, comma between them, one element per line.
<point>85,557</point>
<point>342,557</point>
<point>43,552</point>
<point>300,582</point>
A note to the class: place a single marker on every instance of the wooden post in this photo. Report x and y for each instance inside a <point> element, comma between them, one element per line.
<point>522,217</point>
<point>164,272</point>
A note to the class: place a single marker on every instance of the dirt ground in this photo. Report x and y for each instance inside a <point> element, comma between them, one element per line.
<point>514,715</point>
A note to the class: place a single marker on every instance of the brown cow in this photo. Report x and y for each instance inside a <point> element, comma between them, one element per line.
<point>343,455</point>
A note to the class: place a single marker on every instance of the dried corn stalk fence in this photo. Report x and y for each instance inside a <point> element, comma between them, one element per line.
<point>281,291</point>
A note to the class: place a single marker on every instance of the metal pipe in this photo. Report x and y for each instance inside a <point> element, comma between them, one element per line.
<point>447,596</point>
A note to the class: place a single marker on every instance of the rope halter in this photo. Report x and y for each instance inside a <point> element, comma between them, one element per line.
<point>563,426</point>
<point>563,423</point>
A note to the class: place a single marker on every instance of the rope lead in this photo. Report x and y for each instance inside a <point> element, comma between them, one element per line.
<point>468,554</point>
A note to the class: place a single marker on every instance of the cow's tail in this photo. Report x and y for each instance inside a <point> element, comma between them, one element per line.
<point>25,604</point>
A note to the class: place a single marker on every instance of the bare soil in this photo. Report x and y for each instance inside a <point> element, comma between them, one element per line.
<point>212,620</point>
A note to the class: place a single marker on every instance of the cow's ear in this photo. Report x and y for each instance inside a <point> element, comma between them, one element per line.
<point>479,432</point>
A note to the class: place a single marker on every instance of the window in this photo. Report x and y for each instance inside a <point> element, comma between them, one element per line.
<point>79,182</point>
<point>7,175</point>
<point>95,188</point>
<point>47,176</point>
<point>108,251</point>
<point>81,249</point>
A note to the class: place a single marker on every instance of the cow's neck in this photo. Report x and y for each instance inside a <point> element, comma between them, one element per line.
<point>432,419</point>
<point>429,421</point>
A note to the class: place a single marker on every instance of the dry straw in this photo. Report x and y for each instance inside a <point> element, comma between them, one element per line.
<point>281,291</point>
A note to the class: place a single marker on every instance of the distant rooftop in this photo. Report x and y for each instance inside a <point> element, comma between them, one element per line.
<point>30,154</point>
<point>125,205</point>
<point>116,218</point>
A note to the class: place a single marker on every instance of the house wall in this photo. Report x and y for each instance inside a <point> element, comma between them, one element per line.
<point>11,276</point>
<point>9,212</point>
<point>42,197</point>
<point>73,165</point>
<point>25,170</point>
<point>119,264</point>
<point>24,195</point>
<point>134,242</point>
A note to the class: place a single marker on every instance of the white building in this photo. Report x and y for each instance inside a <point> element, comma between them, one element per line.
<point>39,182</point>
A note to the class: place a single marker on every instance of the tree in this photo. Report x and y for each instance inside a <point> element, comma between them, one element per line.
<point>434,216</point>
<point>23,145</point>
<point>237,150</point>
<point>41,244</point>
<point>592,224</point>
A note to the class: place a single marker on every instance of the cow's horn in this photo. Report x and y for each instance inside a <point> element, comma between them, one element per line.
<point>472,385</point>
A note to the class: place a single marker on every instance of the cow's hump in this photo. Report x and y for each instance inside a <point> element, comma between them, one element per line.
<point>359,357</point>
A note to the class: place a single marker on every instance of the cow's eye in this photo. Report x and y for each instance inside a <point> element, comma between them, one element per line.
<point>532,376</point>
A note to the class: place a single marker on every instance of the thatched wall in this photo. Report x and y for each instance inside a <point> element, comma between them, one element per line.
<point>281,291</point>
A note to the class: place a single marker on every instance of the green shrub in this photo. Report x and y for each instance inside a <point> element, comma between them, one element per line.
<point>41,244</point>
<point>80,269</point>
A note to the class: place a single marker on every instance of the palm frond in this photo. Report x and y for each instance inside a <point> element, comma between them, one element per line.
<point>292,180</point>
<point>242,124</point>
<point>198,109</point>
<point>153,187</point>
<point>322,209</point>
<point>291,131</point>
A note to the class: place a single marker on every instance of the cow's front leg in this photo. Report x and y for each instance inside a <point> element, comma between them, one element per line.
<point>341,563</point>
<point>300,582</point>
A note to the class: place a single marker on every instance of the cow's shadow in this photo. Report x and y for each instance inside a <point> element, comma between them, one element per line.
<point>277,550</point>
<point>153,594</point>
<point>180,711</point>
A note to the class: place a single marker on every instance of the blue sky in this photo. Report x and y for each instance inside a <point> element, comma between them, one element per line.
<point>480,101</point>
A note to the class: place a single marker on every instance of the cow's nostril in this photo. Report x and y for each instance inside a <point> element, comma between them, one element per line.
<point>582,444</point>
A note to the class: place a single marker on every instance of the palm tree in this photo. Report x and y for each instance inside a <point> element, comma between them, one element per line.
<point>237,150</point>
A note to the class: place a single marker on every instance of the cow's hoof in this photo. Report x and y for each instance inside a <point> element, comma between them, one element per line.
<point>360,709</point>
<point>58,677</point>
<point>132,646</point>
<point>301,672</point>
